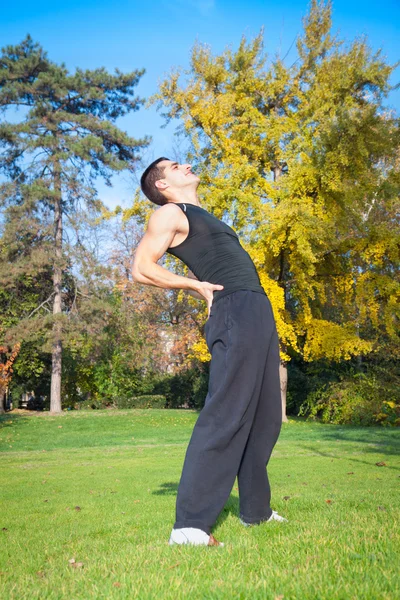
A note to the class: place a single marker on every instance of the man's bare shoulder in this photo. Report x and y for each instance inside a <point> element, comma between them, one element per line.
<point>167,207</point>
<point>166,210</point>
<point>165,217</point>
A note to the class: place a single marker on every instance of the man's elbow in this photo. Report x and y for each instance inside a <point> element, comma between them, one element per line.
<point>142,271</point>
<point>136,275</point>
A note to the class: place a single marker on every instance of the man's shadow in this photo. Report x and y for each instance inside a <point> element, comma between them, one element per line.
<point>170,488</point>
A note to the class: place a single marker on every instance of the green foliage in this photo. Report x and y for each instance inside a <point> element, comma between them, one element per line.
<point>365,399</point>
<point>145,401</point>
<point>305,378</point>
<point>187,389</point>
<point>93,404</point>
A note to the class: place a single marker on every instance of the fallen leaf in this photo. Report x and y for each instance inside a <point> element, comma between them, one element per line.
<point>4,529</point>
<point>60,427</point>
<point>45,500</point>
<point>286,497</point>
<point>77,565</point>
<point>381,508</point>
<point>116,584</point>
<point>328,501</point>
<point>78,508</point>
<point>173,566</point>
<point>71,561</point>
<point>351,473</point>
<point>381,464</point>
<point>40,574</point>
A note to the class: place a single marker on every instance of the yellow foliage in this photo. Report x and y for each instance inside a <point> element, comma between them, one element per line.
<point>308,175</point>
<point>334,342</point>
<point>199,350</point>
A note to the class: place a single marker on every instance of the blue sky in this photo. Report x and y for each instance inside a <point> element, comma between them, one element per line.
<point>159,35</point>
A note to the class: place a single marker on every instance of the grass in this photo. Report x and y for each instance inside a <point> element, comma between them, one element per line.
<point>100,487</point>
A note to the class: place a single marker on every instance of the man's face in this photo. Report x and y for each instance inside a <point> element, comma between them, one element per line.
<point>176,177</point>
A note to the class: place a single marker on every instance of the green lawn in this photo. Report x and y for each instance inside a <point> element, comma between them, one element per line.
<point>99,487</point>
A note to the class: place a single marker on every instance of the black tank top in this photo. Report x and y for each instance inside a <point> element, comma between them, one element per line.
<point>213,252</point>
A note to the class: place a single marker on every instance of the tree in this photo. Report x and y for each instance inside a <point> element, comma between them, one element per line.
<point>65,139</point>
<point>304,160</point>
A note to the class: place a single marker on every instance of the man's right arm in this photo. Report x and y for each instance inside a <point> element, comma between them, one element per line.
<point>161,229</point>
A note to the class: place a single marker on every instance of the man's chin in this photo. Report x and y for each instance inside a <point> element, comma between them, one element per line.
<point>192,176</point>
<point>193,182</point>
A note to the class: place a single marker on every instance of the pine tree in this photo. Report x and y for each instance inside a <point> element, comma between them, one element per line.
<point>61,139</point>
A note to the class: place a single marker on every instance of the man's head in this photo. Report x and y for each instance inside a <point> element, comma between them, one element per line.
<point>164,180</point>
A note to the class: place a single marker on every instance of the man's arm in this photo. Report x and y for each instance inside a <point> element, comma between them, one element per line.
<point>161,229</point>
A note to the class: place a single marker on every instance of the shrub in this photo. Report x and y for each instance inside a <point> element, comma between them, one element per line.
<point>186,389</point>
<point>364,399</point>
<point>144,401</point>
<point>93,404</point>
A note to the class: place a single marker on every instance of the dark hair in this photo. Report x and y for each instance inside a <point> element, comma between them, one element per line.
<point>148,182</point>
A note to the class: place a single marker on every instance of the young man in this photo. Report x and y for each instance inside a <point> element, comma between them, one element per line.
<point>240,422</point>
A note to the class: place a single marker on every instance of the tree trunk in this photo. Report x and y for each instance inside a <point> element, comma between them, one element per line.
<point>2,400</point>
<point>56,359</point>
<point>283,377</point>
<point>277,171</point>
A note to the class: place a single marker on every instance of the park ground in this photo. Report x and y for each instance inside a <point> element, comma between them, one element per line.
<point>88,503</point>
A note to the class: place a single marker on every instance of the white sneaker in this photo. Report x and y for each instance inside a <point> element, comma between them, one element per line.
<point>276,517</point>
<point>273,517</point>
<point>192,536</point>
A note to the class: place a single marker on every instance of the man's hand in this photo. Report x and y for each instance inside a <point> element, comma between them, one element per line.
<point>205,291</point>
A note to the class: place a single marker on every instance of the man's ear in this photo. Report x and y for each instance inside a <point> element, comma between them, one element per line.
<point>161,184</point>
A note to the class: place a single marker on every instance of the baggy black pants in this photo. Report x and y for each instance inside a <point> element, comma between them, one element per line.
<point>241,419</point>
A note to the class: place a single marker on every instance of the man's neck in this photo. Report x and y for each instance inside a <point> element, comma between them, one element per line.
<point>186,196</point>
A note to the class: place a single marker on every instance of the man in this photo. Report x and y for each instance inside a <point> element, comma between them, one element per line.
<point>241,419</point>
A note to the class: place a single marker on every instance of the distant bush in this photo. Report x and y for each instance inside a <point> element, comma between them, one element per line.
<point>186,389</point>
<point>93,404</point>
<point>305,378</point>
<point>364,399</point>
<point>144,401</point>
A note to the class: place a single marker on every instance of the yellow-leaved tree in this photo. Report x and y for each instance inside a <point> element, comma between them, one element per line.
<point>303,161</point>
